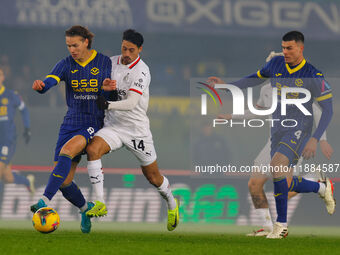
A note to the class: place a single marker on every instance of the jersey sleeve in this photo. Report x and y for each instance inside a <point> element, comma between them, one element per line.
<point>19,103</point>
<point>58,71</point>
<point>320,88</point>
<point>265,71</point>
<point>141,82</point>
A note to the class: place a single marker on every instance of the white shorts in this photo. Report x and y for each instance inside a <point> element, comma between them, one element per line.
<point>141,147</point>
<point>263,160</point>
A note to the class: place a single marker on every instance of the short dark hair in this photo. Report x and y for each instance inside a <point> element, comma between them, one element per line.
<point>80,31</point>
<point>134,37</point>
<point>293,36</point>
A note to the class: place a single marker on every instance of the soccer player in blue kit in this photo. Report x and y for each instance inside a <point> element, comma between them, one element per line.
<point>10,101</point>
<point>289,143</point>
<point>84,73</point>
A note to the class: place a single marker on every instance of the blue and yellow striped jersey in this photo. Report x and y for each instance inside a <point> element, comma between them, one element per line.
<point>303,75</point>
<point>83,81</point>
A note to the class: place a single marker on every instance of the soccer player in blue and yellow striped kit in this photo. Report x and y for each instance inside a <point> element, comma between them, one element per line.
<point>289,143</point>
<point>84,73</point>
<point>10,101</point>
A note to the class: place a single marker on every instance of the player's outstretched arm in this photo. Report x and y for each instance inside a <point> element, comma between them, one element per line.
<point>310,148</point>
<point>123,105</point>
<point>326,149</point>
<point>212,80</point>
<point>38,85</point>
<point>109,85</point>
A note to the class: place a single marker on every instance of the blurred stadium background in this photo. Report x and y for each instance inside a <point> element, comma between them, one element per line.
<point>183,39</point>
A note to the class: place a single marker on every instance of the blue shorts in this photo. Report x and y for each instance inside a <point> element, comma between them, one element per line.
<point>66,132</point>
<point>290,143</point>
<point>7,150</point>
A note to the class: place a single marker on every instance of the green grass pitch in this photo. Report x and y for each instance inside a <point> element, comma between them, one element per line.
<point>141,238</point>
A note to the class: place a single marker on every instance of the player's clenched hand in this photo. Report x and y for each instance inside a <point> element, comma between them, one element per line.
<point>310,148</point>
<point>326,149</point>
<point>215,80</point>
<point>102,103</point>
<point>38,85</point>
<point>109,85</point>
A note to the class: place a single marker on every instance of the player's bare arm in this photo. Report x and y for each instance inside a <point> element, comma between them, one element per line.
<point>310,148</point>
<point>326,149</point>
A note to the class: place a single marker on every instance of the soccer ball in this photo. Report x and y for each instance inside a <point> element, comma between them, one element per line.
<point>46,220</point>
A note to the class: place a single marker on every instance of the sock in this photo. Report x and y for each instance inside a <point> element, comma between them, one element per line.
<point>266,219</point>
<point>83,208</point>
<point>281,198</point>
<point>166,193</point>
<point>322,189</point>
<point>20,179</point>
<point>96,175</point>
<point>301,185</point>
<point>284,224</point>
<point>45,199</point>
<point>73,194</point>
<point>58,175</point>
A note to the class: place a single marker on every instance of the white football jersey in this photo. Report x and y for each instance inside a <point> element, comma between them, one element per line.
<point>133,77</point>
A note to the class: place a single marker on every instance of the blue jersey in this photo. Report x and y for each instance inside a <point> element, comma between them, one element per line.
<point>303,75</point>
<point>10,101</point>
<point>83,84</point>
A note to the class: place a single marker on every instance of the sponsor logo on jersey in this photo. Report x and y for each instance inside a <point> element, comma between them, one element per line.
<point>126,78</point>
<point>94,71</point>
<point>74,71</point>
<point>121,92</point>
<point>4,101</point>
<point>138,84</point>
<point>298,82</point>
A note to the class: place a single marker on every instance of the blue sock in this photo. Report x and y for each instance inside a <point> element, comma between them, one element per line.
<point>20,179</point>
<point>58,175</point>
<point>73,194</point>
<point>281,198</point>
<point>302,185</point>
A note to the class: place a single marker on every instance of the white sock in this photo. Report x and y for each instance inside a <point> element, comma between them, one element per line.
<point>46,200</point>
<point>284,224</point>
<point>84,207</point>
<point>266,219</point>
<point>166,193</point>
<point>322,189</point>
<point>96,175</point>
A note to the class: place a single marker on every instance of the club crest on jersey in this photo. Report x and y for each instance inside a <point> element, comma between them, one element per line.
<point>94,71</point>
<point>4,101</point>
<point>126,78</point>
<point>298,82</point>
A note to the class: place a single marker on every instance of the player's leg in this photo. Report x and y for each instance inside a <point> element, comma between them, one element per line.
<point>14,177</point>
<point>260,202</point>
<point>64,156</point>
<point>144,150</point>
<point>9,176</point>
<point>95,150</point>
<point>73,194</point>
<point>255,185</point>
<point>152,174</point>
<point>281,182</point>
<point>2,170</point>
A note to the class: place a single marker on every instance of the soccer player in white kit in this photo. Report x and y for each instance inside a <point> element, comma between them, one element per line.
<point>258,179</point>
<point>126,124</point>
